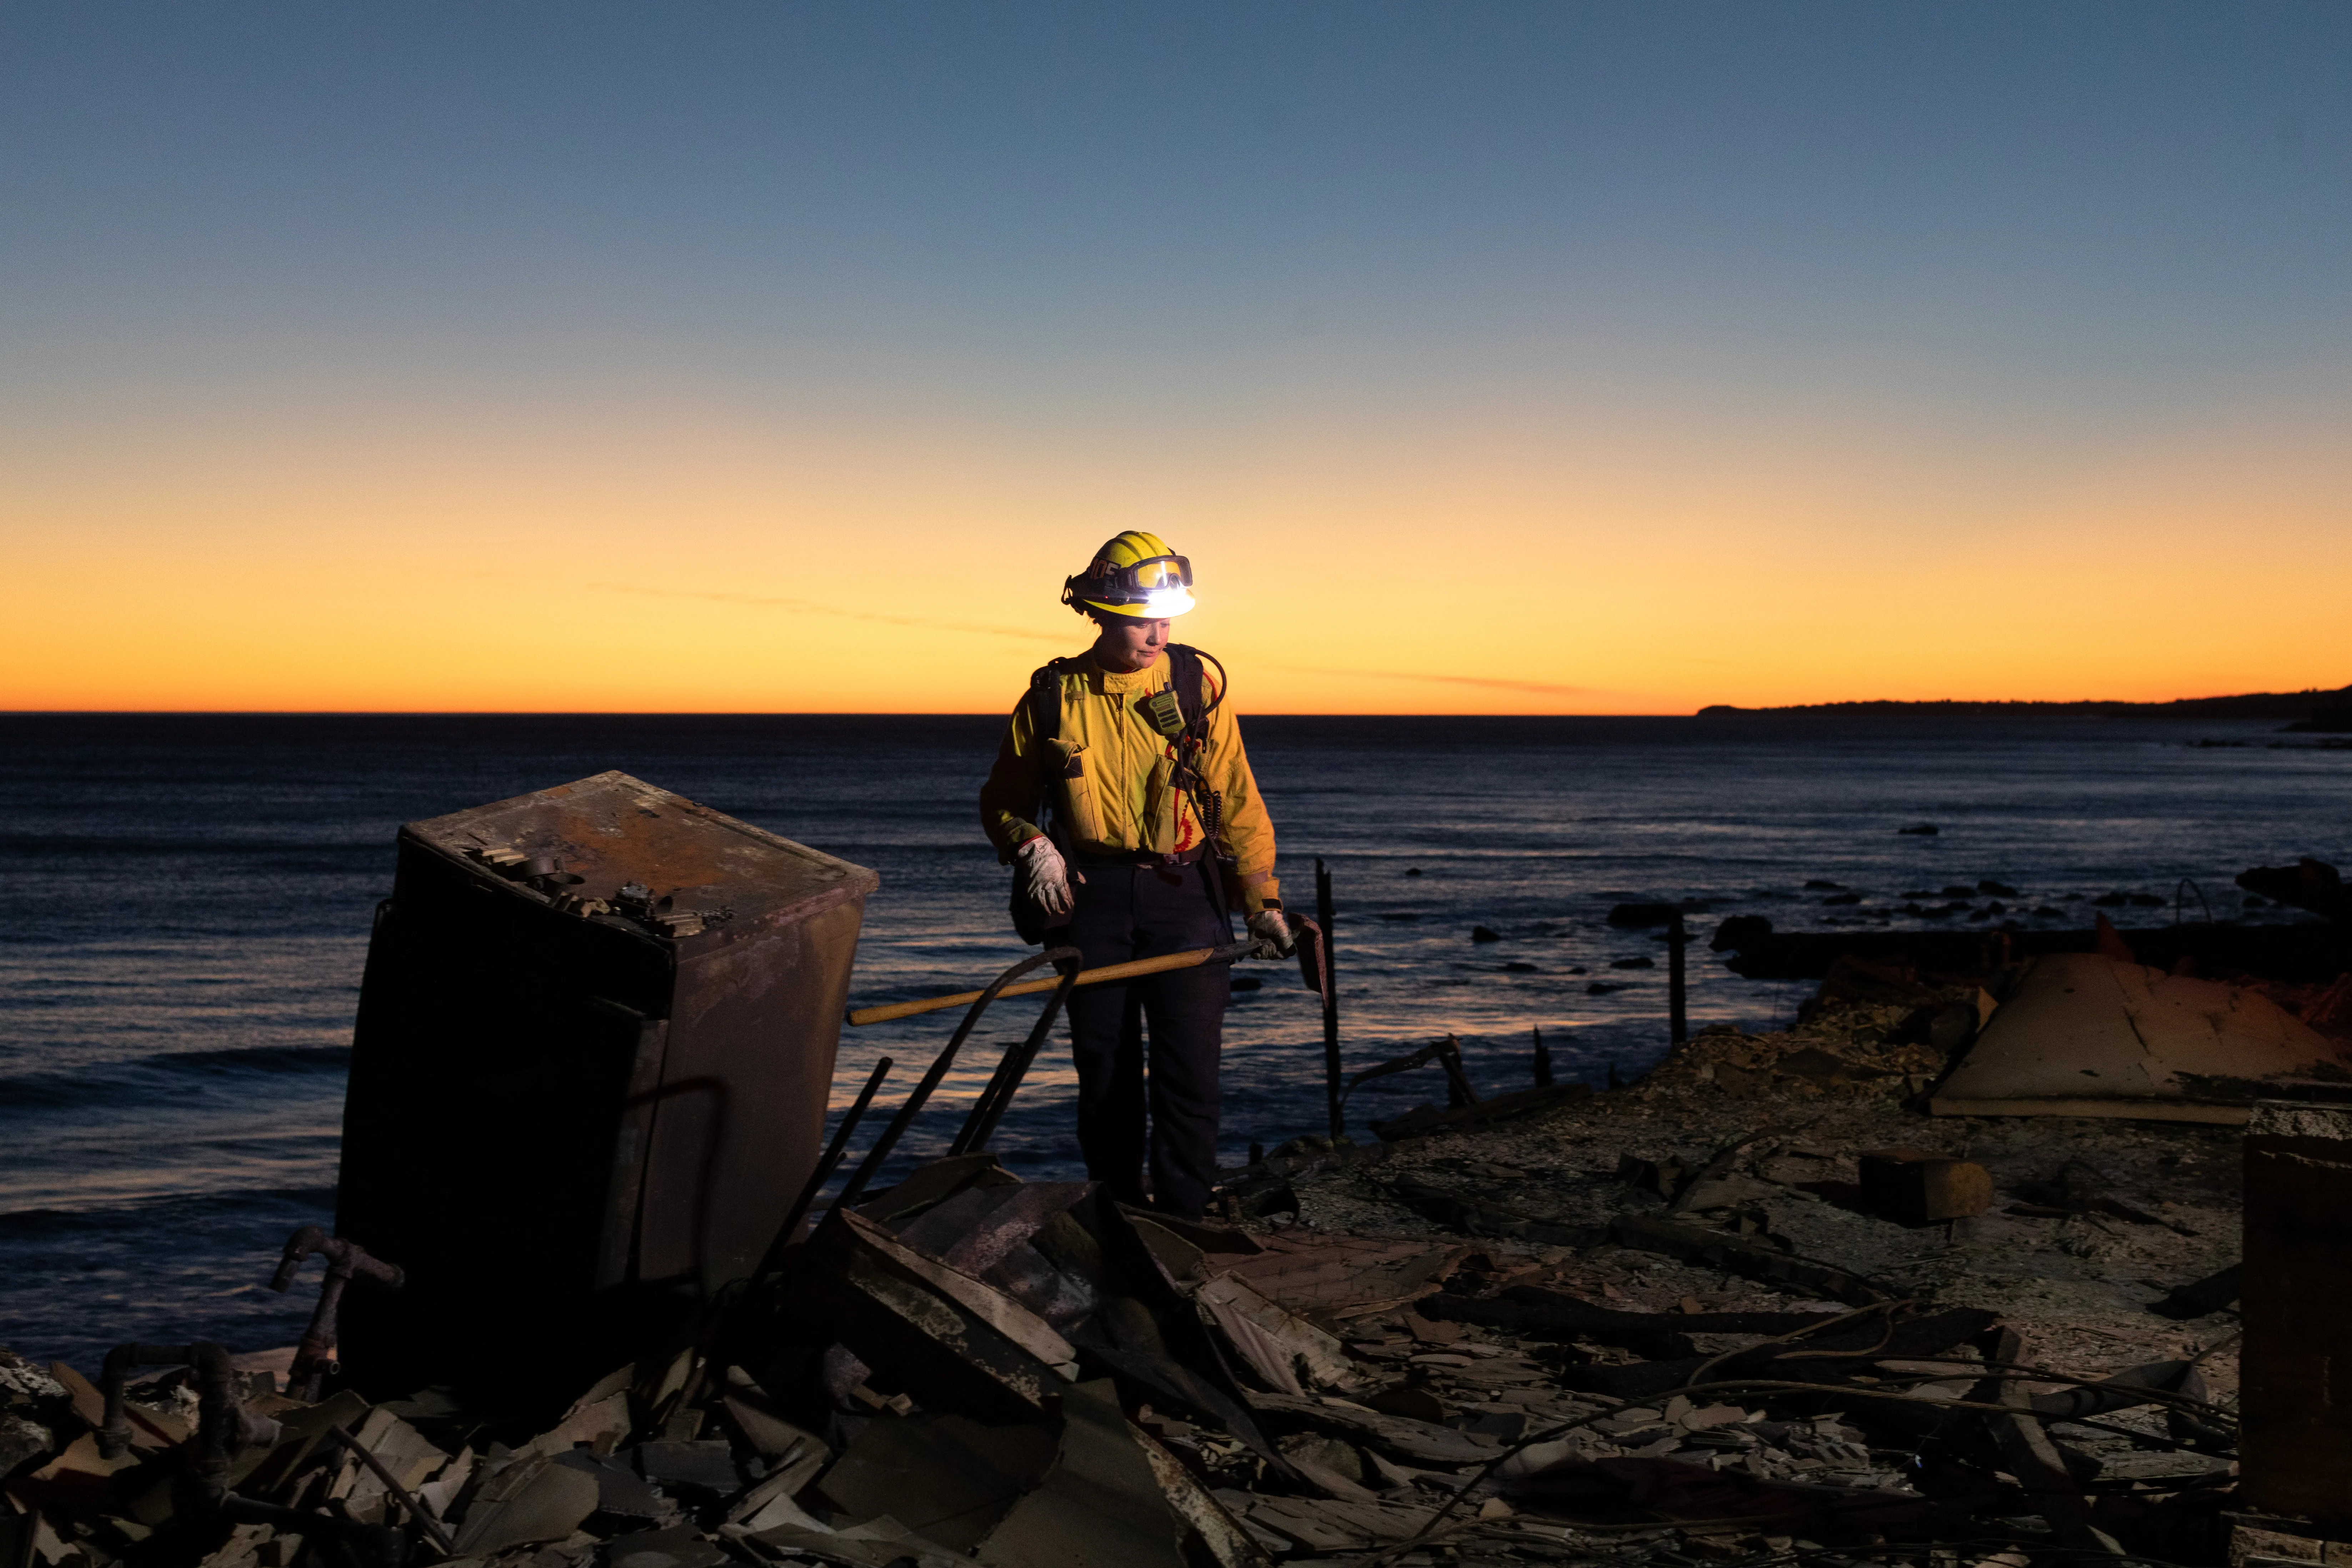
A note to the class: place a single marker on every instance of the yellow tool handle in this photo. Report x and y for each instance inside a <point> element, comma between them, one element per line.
<point>1108,971</point>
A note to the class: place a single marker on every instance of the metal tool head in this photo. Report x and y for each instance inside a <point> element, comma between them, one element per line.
<point>1314,953</point>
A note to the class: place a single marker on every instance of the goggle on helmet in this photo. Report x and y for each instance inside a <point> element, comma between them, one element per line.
<point>1154,588</point>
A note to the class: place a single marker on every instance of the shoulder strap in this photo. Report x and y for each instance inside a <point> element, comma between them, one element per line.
<point>1044,701</point>
<point>1184,675</point>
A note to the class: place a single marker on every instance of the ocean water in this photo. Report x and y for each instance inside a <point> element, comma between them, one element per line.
<point>184,902</point>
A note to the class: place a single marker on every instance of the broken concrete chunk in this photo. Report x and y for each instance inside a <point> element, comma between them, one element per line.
<point>947,1478</point>
<point>22,1440</point>
<point>1288,1353</point>
<point>1103,1502</point>
<point>531,1500</point>
<point>20,1379</point>
<point>1911,1186</point>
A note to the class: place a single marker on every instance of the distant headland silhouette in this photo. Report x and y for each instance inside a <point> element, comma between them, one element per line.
<point>2315,710</point>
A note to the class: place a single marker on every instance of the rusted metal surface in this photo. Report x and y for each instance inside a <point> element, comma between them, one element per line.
<point>346,1261</point>
<point>595,1045</point>
<point>2296,1363</point>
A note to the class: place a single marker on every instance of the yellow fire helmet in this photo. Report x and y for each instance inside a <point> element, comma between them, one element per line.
<point>1135,575</point>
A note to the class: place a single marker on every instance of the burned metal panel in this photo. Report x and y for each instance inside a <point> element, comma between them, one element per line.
<point>743,1100</point>
<point>2295,1368</point>
<point>594,1044</point>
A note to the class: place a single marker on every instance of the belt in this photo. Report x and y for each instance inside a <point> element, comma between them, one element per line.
<point>1148,858</point>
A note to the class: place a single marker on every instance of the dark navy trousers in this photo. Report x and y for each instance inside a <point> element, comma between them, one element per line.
<point>1128,911</point>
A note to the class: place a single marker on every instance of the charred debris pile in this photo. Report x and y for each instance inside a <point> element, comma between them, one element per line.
<point>1812,1297</point>
<point>1792,1320</point>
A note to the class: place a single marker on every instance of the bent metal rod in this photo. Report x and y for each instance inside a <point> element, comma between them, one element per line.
<point>1108,972</point>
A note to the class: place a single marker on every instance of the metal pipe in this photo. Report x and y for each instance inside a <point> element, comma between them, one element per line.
<point>994,1100</point>
<point>823,1172</point>
<point>314,1358</point>
<point>1677,989</point>
<point>1323,918</point>
<point>930,1080</point>
<point>225,1428</point>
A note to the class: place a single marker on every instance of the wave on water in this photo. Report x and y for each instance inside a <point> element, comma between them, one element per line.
<point>75,1283</point>
<point>165,1075</point>
<point>97,1226</point>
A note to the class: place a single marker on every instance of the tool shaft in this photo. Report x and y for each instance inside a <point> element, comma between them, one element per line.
<point>1133,969</point>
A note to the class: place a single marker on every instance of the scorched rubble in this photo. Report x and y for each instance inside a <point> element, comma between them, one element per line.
<point>1659,1324</point>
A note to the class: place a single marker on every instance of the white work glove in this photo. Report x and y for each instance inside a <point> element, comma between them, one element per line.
<point>1044,878</point>
<point>1268,927</point>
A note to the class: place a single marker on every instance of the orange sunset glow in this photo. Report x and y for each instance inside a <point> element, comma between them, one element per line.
<point>720,570</point>
<point>519,417</point>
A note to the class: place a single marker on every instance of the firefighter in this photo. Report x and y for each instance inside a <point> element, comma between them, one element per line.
<point>1123,801</point>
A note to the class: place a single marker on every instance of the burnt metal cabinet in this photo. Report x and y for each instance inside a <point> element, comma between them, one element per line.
<point>595,1045</point>
<point>2295,1372</point>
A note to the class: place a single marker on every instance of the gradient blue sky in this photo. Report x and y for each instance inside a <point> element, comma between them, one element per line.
<point>1843,349</point>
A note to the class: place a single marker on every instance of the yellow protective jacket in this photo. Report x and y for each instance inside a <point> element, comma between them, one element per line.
<point>1110,777</point>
